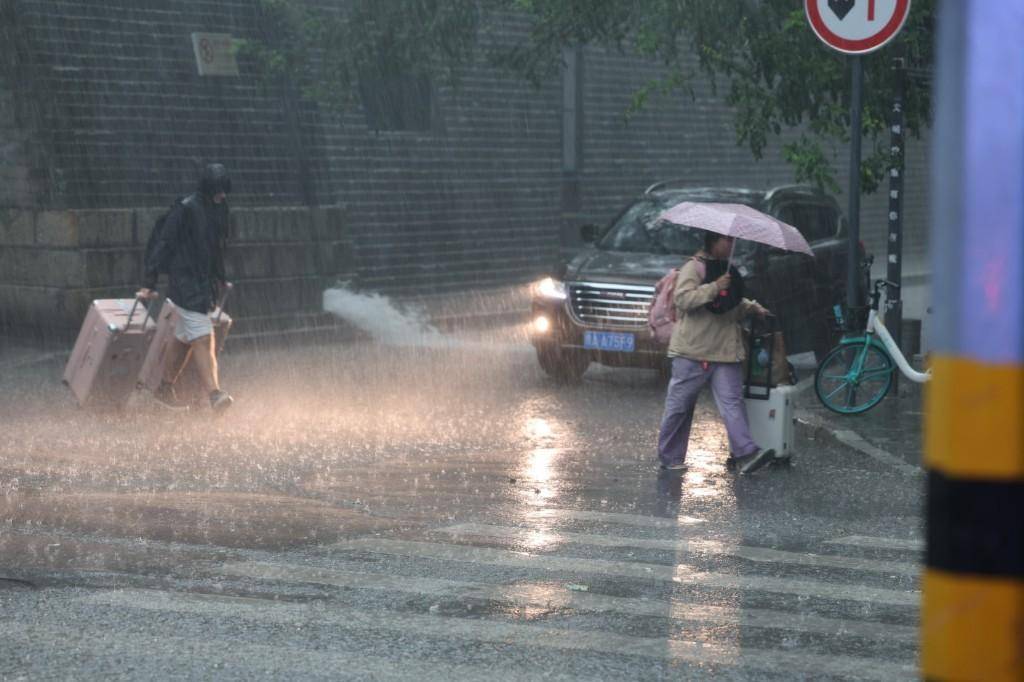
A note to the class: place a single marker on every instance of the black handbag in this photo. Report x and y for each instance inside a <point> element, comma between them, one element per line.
<point>728,298</point>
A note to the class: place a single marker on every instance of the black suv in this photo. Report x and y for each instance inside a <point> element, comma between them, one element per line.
<point>594,307</point>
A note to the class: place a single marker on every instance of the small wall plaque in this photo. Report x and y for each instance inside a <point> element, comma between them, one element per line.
<point>215,54</point>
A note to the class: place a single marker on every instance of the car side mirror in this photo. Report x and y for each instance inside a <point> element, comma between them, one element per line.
<point>589,233</point>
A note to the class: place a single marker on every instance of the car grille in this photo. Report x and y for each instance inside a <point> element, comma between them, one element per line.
<point>610,305</point>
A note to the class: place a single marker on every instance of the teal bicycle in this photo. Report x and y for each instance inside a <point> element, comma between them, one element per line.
<point>857,374</point>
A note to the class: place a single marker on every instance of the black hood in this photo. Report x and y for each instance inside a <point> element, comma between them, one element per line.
<point>214,180</point>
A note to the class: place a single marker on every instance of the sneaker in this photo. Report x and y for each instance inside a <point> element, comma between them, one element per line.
<point>220,400</point>
<point>166,397</point>
<point>678,466</point>
<point>757,460</point>
<point>730,463</point>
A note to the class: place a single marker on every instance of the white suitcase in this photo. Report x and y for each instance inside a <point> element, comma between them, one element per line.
<point>771,420</point>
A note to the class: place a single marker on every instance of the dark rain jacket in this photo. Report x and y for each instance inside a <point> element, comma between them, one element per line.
<point>189,247</point>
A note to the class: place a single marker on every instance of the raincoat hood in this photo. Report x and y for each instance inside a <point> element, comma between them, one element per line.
<point>214,179</point>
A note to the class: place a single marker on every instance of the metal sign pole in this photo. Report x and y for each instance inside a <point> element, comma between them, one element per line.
<point>853,217</point>
<point>894,271</point>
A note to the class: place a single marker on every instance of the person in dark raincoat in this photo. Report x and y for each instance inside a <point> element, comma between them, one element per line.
<point>189,247</point>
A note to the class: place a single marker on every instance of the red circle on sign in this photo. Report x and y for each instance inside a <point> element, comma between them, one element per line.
<point>863,45</point>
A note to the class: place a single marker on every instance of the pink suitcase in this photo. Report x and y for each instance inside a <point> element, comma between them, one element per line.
<point>109,352</point>
<point>154,365</point>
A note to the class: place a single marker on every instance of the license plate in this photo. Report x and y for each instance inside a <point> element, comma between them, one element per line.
<point>611,341</point>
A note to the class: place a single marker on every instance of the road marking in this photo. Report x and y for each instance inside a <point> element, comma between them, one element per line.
<point>879,543</point>
<point>611,517</point>
<point>689,546</point>
<point>558,597</point>
<point>626,569</point>
<point>497,632</point>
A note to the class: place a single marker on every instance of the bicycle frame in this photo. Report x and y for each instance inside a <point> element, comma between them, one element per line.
<point>877,326</point>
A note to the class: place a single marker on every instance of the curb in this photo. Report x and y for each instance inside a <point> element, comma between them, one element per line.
<point>853,440</point>
<point>848,437</point>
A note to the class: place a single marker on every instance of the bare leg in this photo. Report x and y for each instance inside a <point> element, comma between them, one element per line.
<point>206,362</point>
<point>177,358</point>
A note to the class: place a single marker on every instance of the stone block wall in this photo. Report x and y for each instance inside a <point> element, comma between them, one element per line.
<point>54,263</point>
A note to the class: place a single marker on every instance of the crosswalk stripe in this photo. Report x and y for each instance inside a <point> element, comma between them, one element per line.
<point>547,597</point>
<point>627,569</point>
<point>687,546</point>
<point>638,520</point>
<point>878,543</point>
<point>518,634</point>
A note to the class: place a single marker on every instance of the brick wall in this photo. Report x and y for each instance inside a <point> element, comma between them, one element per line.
<point>111,115</point>
<point>13,172</point>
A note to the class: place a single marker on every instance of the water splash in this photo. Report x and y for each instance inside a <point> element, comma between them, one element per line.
<point>380,318</point>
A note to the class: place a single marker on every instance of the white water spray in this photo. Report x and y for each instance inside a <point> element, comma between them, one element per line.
<point>377,315</point>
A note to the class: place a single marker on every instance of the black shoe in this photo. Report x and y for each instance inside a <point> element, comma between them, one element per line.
<point>730,463</point>
<point>678,466</point>
<point>756,461</point>
<point>166,397</point>
<point>220,400</point>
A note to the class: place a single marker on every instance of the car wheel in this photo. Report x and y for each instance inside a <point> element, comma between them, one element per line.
<point>564,366</point>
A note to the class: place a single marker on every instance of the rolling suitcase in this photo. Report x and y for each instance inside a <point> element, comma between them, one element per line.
<point>160,353</point>
<point>108,353</point>
<point>770,405</point>
<point>771,420</point>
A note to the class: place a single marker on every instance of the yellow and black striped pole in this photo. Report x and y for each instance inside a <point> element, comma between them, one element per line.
<point>972,620</point>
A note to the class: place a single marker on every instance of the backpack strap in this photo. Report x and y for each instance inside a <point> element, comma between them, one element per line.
<point>702,268</point>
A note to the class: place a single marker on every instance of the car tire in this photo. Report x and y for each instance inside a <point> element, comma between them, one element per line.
<point>564,366</point>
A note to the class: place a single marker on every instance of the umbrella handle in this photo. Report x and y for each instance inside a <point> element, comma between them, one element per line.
<point>732,251</point>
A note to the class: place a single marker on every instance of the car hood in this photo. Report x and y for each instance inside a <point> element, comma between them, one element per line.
<point>622,266</point>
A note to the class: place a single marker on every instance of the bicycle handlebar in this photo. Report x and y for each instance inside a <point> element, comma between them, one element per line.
<point>879,283</point>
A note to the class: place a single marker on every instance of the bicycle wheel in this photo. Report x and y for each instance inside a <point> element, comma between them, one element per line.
<point>840,390</point>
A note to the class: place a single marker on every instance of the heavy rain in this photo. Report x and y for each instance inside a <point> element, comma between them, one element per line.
<point>488,339</point>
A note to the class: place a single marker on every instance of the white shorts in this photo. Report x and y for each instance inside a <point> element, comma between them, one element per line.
<point>192,325</point>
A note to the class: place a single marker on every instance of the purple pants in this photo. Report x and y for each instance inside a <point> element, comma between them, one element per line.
<point>688,378</point>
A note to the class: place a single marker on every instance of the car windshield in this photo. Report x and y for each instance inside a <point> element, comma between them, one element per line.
<point>638,229</point>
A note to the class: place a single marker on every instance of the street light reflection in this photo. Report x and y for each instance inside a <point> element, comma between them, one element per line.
<point>537,428</point>
<point>541,539</point>
<point>539,464</point>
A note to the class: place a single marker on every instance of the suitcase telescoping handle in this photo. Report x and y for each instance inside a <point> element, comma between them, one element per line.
<point>771,325</point>
<point>228,286</point>
<point>131,314</point>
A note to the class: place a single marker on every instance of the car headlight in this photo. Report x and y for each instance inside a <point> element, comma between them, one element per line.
<point>550,288</point>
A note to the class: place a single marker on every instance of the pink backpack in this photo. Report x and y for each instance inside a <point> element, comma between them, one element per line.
<point>661,317</point>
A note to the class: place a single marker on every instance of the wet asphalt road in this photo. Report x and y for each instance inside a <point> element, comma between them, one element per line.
<point>445,512</point>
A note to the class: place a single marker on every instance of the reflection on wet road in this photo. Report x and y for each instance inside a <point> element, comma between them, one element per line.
<point>441,511</point>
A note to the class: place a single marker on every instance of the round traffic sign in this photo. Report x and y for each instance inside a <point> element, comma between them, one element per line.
<point>856,26</point>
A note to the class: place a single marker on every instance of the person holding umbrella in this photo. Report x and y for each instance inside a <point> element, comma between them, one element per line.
<point>707,341</point>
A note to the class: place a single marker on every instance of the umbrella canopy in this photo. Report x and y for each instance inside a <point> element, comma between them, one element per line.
<point>738,221</point>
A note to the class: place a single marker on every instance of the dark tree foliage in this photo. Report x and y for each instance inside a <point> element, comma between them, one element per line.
<point>761,55</point>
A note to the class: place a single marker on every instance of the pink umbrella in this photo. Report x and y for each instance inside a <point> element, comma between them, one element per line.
<point>739,221</point>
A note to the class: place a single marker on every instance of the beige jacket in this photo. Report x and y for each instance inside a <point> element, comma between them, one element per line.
<point>700,334</point>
